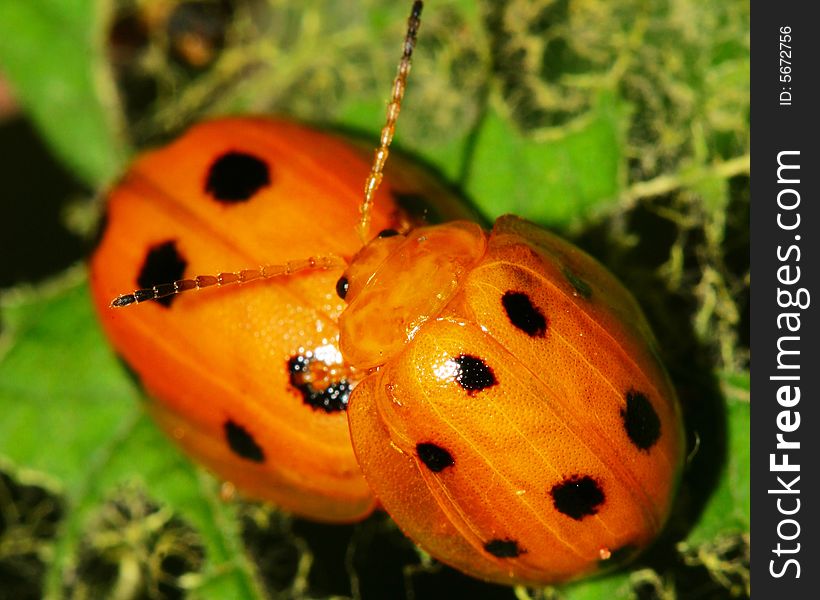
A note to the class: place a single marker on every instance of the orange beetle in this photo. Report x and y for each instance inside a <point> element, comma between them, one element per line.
<point>511,414</point>
<point>516,423</point>
<point>251,381</point>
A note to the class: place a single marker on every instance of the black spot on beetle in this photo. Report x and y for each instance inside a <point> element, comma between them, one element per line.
<point>577,497</point>
<point>580,286</point>
<point>434,457</point>
<point>331,398</point>
<point>504,548</point>
<point>642,424</point>
<point>473,374</point>
<point>386,233</point>
<point>242,443</point>
<point>523,314</point>
<point>236,177</point>
<point>163,264</point>
<point>341,287</point>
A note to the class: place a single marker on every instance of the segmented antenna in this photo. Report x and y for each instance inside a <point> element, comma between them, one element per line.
<point>164,290</point>
<point>374,179</point>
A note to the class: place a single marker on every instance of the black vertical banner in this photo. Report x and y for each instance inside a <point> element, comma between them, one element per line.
<point>785,296</point>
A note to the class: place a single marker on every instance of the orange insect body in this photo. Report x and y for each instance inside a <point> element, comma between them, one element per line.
<point>519,425</point>
<point>508,407</point>
<point>250,381</point>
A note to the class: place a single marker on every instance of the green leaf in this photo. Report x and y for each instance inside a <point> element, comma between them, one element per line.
<point>70,414</point>
<point>728,509</point>
<point>576,171</point>
<point>51,52</point>
<point>613,587</point>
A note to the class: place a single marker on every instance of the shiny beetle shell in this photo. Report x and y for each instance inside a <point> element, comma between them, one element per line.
<point>250,381</point>
<point>516,423</point>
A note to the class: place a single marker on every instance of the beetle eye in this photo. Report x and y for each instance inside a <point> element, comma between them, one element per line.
<point>341,287</point>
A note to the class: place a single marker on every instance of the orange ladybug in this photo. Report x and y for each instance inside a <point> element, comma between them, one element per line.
<point>511,413</point>
<point>250,382</point>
